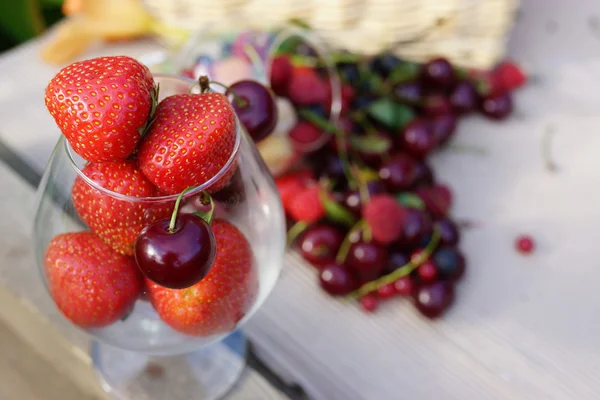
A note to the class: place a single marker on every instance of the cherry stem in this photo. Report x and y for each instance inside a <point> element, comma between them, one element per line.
<point>241,102</point>
<point>206,199</point>
<point>255,58</point>
<point>403,271</point>
<point>342,253</point>
<point>340,138</point>
<point>295,231</point>
<point>176,208</point>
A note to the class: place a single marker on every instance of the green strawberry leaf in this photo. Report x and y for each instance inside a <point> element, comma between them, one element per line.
<point>151,117</point>
<point>371,144</point>
<point>336,212</point>
<point>404,72</point>
<point>410,200</point>
<point>390,113</point>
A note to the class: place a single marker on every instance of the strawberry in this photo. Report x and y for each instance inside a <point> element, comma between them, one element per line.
<point>219,301</point>
<point>92,285</point>
<point>102,105</point>
<point>291,184</point>
<point>509,75</point>
<point>189,142</point>
<point>306,87</point>
<point>116,221</point>
<point>385,216</point>
<point>307,205</point>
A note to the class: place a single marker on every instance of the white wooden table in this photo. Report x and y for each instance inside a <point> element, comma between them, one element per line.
<point>522,327</point>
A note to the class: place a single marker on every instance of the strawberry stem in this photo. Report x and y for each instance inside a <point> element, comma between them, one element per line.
<point>405,270</point>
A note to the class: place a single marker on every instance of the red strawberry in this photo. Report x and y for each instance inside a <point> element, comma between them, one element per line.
<point>102,105</point>
<point>92,285</point>
<point>281,70</point>
<point>290,185</point>
<point>385,216</point>
<point>509,75</point>
<point>219,301</point>
<point>306,87</point>
<point>117,221</point>
<point>307,205</point>
<point>189,142</point>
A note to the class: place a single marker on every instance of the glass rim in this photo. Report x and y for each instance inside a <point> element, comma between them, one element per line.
<point>154,199</point>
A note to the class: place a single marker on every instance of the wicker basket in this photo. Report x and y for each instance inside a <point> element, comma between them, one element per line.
<point>469,32</point>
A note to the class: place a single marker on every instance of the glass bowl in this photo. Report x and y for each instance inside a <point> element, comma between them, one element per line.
<point>133,333</point>
<point>233,51</point>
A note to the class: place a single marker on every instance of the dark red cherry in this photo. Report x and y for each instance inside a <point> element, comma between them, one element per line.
<point>450,263</point>
<point>255,107</point>
<point>449,233</point>
<point>417,138</point>
<point>369,302</point>
<point>464,98</point>
<point>427,272</point>
<point>438,73</point>
<point>409,93</point>
<point>433,299</point>
<point>397,259</point>
<point>399,173</point>
<point>404,286</point>
<point>424,174</point>
<point>337,280</point>
<point>319,244</point>
<point>417,224</point>
<point>443,128</point>
<point>176,259</point>
<point>497,107</point>
<point>234,191</point>
<point>367,259</point>
<point>436,104</point>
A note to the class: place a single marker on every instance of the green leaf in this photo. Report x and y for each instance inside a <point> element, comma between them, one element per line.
<point>336,212</point>
<point>390,113</point>
<point>404,72</point>
<point>21,19</point>
<point>373,144</point>
<point>410,200</point>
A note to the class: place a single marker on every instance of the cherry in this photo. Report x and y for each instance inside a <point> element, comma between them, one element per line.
<point>386,291</point>
<point>417,224</point>
<point>409,93</point>
<point>305,136</point>
<point>255,107</point>
<point>337,280</point>
<point>399,173</point>
<point>443,127</point>
<point>234,191</point>
<point>396,260</point>
<point>404,286</point>
<point>367,259</point>
<point>433,299</point>
<point>423,175</point>
<point>450,263</point>
<point>438,73</point>
<point>352,199</point>
<point>372,155</point>
<point>319,244</point>
<point>437,199</point>
<point>436,104</point>
<point>464,98</point>
<point>525,244</point>
<point>417,138</point>
<point>332,167</point>
<point>428,271</point>
<point>498,106</point>
<point>449,233</point>
<point>369,302</point>
<point>281,71</point>
<point>176,258</point>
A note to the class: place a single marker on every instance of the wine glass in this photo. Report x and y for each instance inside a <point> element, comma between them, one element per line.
<point>136,354</point>
<point>234,51</point>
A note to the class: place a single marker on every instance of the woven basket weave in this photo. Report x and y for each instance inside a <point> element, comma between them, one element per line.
<point>469,32</point>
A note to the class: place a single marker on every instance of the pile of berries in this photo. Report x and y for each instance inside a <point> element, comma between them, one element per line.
<point>365,209</point>
<point>195,267</point>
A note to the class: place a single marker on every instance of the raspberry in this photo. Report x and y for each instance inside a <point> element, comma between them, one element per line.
<point>307,205</point>
<point>509,76</point>
<point>306,88</point>
<point>385,216</point>
<point>290,185</point>
<point>281,70</point>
